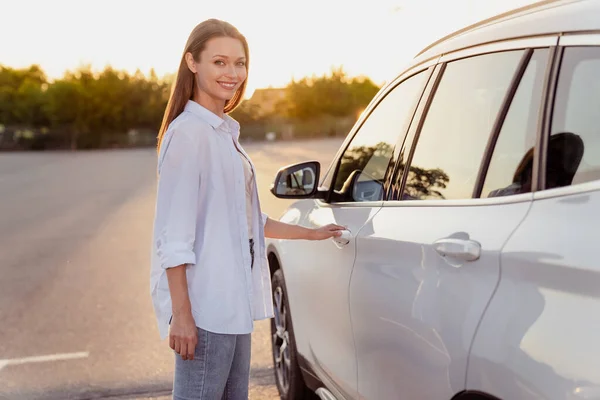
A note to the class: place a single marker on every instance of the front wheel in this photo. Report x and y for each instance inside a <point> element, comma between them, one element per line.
<point>288,376</point>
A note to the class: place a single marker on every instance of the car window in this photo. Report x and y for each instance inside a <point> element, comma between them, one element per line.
<point>511,166</point>
<point>364,163</point>
<point>573,152</point>
<point>457,126</point>
<point>328,176</point>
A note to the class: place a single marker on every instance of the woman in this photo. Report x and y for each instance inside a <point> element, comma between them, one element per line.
<point>207,286</point>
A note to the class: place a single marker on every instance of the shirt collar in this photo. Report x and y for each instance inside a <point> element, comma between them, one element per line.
<point>227,123</point>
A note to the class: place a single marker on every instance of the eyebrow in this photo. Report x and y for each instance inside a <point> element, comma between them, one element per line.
<point>223,56</point>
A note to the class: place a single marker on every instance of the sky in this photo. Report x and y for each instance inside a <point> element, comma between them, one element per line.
<point>288,39</point>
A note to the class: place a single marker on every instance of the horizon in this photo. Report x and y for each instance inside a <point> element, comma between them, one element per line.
<point>72,40</point>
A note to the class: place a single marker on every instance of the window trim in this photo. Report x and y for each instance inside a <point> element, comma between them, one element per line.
<point>420,122</point>
<point>545,119</point>
<point>426,68</point>
<point>591,40</point>
<point>496,47</point>
<point>499,123</point>
<point>396,190</point>
<point>513,45</point>
<point>517,198</point>
<point>578,40</point>
<point>333,166</point>
<point>578,188</point>
<point>425,92</point>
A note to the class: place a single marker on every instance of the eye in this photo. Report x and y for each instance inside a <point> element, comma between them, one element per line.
<point>242,63</point>
<point>219,62</point>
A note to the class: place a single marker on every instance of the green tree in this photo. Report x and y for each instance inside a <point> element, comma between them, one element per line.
<point>99,109</point>
<point>21,96</point>
<point>65,107</point>
<point>334,94</point>
<point>246,113</point>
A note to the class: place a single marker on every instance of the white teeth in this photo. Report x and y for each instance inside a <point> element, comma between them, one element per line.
<point>227,85</point>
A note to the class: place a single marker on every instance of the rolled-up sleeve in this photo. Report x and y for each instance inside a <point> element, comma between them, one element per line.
<point>177,200</point>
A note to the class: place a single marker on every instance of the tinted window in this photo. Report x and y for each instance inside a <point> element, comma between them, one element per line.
<point>574,144</point>
<point>457,126</point>
<point>368,157</point>
<point>511,167</point>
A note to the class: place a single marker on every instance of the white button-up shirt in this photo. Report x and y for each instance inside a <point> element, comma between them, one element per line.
<point>200,220</point>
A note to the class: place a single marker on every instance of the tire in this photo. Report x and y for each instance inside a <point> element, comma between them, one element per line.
<point>288,377</point>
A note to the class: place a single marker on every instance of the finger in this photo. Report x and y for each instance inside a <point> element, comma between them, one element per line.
<point>177,346</point>
<point>184,351</point>
<point>191,349</point>
<point>172,342</point>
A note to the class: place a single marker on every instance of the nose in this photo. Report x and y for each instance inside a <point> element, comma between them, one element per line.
<point>231,72</point>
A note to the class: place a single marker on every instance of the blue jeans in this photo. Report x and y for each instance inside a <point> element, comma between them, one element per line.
<point>220,369</point>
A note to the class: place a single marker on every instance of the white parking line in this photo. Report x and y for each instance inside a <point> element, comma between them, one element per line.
<point>38,359</point>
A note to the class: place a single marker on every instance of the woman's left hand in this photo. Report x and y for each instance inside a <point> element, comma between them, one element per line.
<point>327,231</point>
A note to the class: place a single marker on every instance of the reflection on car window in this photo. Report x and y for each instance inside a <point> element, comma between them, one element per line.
<point>369,156</point>
<point>457,126</point>
<point>574,145</point>
<point>511,167</point>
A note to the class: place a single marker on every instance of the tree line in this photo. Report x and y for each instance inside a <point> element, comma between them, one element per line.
<point>112,108</point>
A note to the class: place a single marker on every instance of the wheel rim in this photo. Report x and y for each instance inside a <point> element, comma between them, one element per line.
<point>281,341</point>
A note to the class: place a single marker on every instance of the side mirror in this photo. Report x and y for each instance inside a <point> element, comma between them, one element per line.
<point>298,181</point>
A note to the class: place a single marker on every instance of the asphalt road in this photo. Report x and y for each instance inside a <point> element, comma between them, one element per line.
<point>76,320</point>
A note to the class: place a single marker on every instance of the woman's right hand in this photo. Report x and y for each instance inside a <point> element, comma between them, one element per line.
<point>183,335</point>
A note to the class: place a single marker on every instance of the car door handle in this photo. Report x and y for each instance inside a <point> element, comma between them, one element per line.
<point>463,249</point>
<point>344,239</point>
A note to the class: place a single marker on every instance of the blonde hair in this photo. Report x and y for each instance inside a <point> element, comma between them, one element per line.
<point>184,87</point>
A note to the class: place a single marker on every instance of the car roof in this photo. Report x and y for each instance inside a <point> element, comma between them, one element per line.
<point>538,19</point>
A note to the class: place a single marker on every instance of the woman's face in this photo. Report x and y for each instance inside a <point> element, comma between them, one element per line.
<point>221,69</point>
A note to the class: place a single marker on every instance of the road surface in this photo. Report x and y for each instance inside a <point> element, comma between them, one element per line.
<point>75,310</point>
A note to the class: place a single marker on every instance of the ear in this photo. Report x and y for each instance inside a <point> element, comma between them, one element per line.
<point>191,63</point>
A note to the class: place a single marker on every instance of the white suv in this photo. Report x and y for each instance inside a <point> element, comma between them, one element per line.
<point>471,192</point>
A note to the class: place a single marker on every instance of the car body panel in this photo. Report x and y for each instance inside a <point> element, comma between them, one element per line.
<point>538,339</point>
<point>415,312</point>
<point>319,275</point>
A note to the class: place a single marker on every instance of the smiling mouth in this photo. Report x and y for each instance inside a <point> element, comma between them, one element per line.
<point>228,85</point>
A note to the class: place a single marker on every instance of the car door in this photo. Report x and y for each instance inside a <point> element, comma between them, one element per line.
<point>318,289</point>
<point>539,336</point>
<point>428,265</point>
